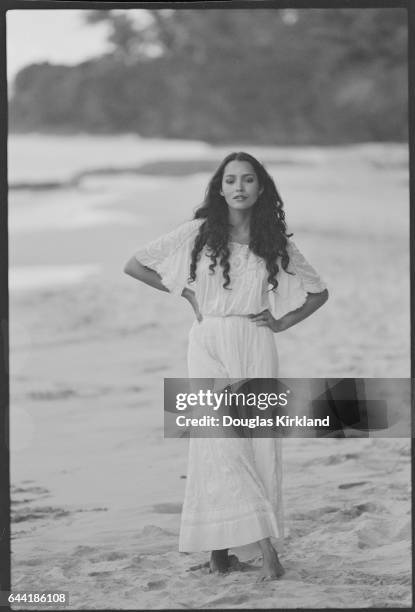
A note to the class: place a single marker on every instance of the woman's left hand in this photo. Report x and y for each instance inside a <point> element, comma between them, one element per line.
<point>265,319</point>
<point>312,303</point>
<point>190,296</point>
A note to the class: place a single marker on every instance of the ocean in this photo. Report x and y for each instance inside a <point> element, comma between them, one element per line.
<point>70,197</point>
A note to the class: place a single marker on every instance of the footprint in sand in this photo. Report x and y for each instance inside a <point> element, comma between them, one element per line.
<point>35,561</point>
<point>85,550</point>
<point>228,599</point>
<point>114,556</point>
<point>355,511</point>
<point>135,562</point>
<point>349,485</point>
<point>154,585</point>
<point>95,556</point>
<point>314,514</point>
<point>334,459</point>
<point>378,531</point>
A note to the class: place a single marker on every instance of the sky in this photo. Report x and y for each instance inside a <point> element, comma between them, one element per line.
<point>51,35</point>
<point>61,36</point>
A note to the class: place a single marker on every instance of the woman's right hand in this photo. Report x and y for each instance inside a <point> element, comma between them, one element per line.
<point>190,296</point>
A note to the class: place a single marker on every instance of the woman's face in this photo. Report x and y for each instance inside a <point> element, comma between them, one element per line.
<point>240,186</point>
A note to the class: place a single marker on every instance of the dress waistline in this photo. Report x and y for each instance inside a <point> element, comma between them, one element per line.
<point>218,316</point>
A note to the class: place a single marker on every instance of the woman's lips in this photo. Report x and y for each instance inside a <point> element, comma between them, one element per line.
<point>240,197</point>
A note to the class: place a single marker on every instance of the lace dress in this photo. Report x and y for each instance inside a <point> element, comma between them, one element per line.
<point>234,485</point>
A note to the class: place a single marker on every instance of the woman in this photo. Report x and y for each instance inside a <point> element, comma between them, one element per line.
<point>245,280</point>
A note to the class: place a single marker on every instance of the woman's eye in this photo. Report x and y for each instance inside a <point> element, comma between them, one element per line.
<point>229,181</point>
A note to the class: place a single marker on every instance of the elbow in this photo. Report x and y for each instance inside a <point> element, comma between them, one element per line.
<point>130,267</point>
<point>324,296</point>
<point>135,269</point>
<point>319,298</point>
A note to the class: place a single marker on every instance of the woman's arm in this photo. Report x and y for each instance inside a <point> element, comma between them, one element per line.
<point>150,277</point>
<point>312,303</point>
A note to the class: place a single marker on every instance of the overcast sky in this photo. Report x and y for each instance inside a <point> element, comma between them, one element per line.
<point>52,35</point>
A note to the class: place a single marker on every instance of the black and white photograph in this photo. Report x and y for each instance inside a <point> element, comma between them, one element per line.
<point>207,194</point>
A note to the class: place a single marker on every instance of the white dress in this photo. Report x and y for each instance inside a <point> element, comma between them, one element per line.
<point>234,485</point>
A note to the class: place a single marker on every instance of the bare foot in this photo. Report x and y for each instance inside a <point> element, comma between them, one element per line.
<point>219,561</point>
<point>271,566</point>
<point>271,571</point>
<point>233,564</point>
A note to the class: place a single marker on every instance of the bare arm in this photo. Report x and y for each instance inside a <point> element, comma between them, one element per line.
<point>312,303</point>
<point>150,277</point>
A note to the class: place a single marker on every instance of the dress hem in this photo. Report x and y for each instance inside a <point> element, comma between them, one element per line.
<point>240,533</point>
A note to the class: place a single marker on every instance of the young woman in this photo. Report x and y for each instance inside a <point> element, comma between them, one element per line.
<point>245,280</point>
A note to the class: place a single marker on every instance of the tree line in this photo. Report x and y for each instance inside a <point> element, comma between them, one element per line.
<point>270,76</point>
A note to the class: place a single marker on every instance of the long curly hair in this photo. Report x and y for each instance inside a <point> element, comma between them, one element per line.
<point>268,231</point>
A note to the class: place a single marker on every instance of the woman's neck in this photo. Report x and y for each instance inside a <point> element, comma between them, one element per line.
<point>240,221</point>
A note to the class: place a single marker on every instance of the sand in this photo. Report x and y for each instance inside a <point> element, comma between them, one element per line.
<point>97,490</point>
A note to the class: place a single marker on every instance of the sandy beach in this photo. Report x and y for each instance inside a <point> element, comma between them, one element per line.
<point>96,489</point>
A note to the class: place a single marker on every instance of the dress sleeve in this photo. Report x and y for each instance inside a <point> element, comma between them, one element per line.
<point>293,288</point>
<point>169,255</point>
<point>310,280</point>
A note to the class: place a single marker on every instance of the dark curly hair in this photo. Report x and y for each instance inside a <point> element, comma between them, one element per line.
<point>268,231</point>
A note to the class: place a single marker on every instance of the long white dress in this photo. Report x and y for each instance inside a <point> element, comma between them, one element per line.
<point>234,485</point>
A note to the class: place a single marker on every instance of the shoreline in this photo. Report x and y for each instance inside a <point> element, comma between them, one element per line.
<point>147,158</point>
